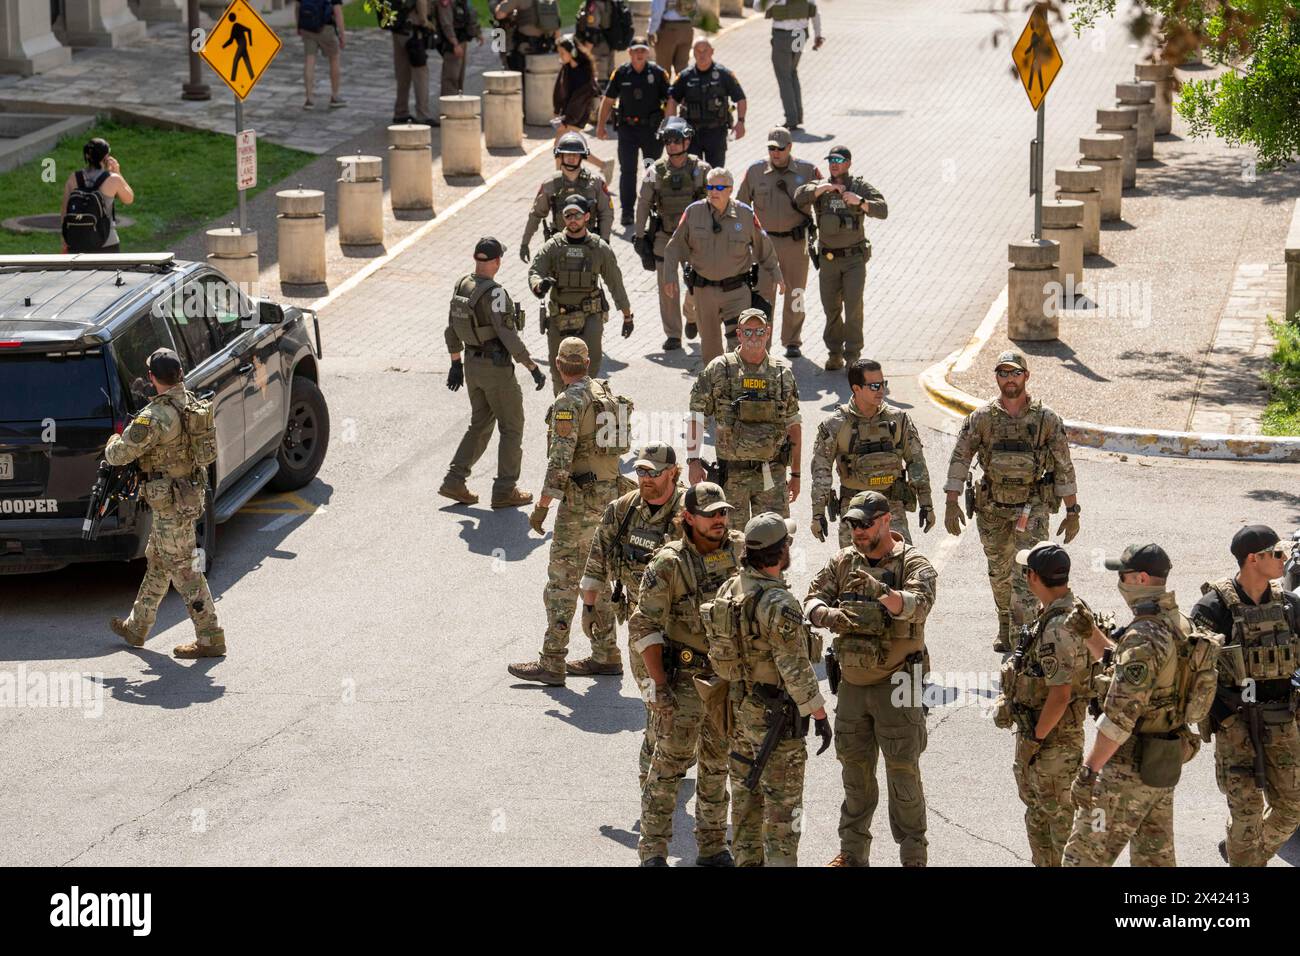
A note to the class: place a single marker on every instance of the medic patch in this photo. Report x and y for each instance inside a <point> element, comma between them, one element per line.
<point>1134,673</point>
<point>755,383</point>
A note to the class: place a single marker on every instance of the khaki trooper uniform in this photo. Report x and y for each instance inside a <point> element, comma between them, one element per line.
<point>882,658</point>
<point>882,453</point>
<point>1027,470</point>
<point>484,325</point>
<point>175,488</point>
<point>577,306</point>
<point>666,191</point>
<point>678,580</point>
<point>674,34</point>
<point>531,30</point>
<point>629,533</point>
<point>1053,655</point>
<point>843,253</point>
<point>753,407</point>
<point>548,204</point>
<point>1262,647</point>
<point>720,249</point>
<point>771,192</point>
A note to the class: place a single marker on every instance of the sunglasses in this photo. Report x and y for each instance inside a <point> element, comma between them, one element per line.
<point>837,162</point>
<point>1278,553</point>
<point>573,215</point>
<point>875,386</point>
<point>776,149</point>
<point>647,472</point>
<point>717,187</point>
<point>719,513</point>
<point>857,524</point>
<point>753,333</point>
<point>674,139</point>
<point>1010,372</point>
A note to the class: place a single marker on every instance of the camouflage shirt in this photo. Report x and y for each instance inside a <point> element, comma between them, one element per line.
<point>780,623</point>
<point>571,438</point>
<point>1040,426</point>
<point>625,557</point>
<point>155,437</point>
<point>834,449</point>
<point>1144,672</point>
<point>676,582</point>
<point>725,383</point>
<point>1059,658</point>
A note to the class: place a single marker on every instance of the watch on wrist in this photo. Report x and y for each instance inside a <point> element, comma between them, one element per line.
<point>1073,509</point>
<point>1087,775</point>
<point>794,474</point>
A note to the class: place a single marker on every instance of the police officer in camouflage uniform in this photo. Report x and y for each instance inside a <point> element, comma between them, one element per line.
<point>484,324</point>
<point>1142,726</point>
<point>1261,624</point>
<point>671,184</point>
<point>572,177</point>
<point>875,596</point>
<point>640,89</point>
<point>873,448</point>
<point>632,529</point>
<point>841,205</point>
<point>753,399</point>
<point>1025,457</point>
<point>1046,686</point>
<point>582,474</point>
<point>771,672</point>
<point>174,485</point>
<point>703,94</point>
<point>570,267</point>
<point>769,185</point>
<point>721,239</point>
<point>667,630</point>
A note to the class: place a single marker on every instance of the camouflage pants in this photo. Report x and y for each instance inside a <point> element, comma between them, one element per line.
<point>1044,786</point>
<point>173,560</point>
<point>868,723</point>
<point>1016,604</point>
<point>897,521</point>
<point>692,735</point>
<point>1259,822</point>
<point>1126,812</point>
<point>765,823</point>
<point>575,525</point>
<point>640,675</point>
<point>747,492</point>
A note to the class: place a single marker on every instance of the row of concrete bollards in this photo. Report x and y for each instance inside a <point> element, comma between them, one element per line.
<point>1087,194</point>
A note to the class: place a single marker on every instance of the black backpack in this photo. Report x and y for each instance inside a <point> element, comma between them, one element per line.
<point>88,222</point>
<point>315,15</point>
<point>619,34</point>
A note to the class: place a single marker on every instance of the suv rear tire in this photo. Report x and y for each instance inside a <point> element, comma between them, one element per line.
<point>306,436</point>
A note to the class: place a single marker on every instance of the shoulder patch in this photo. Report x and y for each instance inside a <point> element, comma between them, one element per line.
<point>649,578</point>
<point>1050,665</point>
<point>791,614</point>
<point>1134,673</point>
<point>144,420</point>
<point>137,433</point>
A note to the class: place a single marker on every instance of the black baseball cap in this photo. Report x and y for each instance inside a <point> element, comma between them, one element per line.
<point>489,248</point>
<point>1252,539</point>
<point>839,152</point>
<point>1049,561</point>
<point>1150,558</point>
<point>164,363</point>
<point>576,201</point>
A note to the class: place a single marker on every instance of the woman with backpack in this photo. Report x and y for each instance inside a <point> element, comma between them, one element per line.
<point>575,89</point>
<point>88,215</point>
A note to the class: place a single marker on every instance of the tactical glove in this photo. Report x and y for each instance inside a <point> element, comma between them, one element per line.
<point>1083,794</point>
<point>953,519</point>
<point>543,286</point>
<point>627,327</point>
<point>456,375</point>
<point>538,377</point>
<point>538,518</point>
<point>833,619</point>
<point>820,526</point>
<point>588,619</point>
<point>1069,527</point>
<point>662,707</point>
<point>823,726</point>
<point>926,517</point>
<point>1026,749</point>
<point>524,255</point>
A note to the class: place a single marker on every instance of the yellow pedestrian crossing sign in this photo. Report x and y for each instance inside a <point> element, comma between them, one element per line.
<point>240,47</point>
<point>1036,57</point>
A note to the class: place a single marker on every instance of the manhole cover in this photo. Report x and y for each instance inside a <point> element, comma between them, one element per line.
<point>49,222</point>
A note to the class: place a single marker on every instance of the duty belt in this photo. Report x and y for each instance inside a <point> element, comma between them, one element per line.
<point>739,464</point>
<point>684,656</point>
<point>797,232</point>
<point>484,351</point>
<point>846,253</point>
<point>634,120</point>
<point>735,282</point>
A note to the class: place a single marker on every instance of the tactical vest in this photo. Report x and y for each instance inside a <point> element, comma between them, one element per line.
<point>464,317</point>
<point>561,189</point>
<point>1026,684</point>
<point>461,20</point>
<point>706,100</point>
<point>544,15</point>
<point>640,538</point>
<point>1166,708</point>
<point>791,10</point>
<point>840,225</point>
<point>602,432</point>
<point>870,454</point>
<point>675,189</point>
<point>171,455</point>
<point>639,99</point>
<point>1269,649</point>
<point>751,422</point>
<point>594,17</point>
<point>703,574</point>
<point>1014,466</point>
<point>576,286</point>
<point>686,8</point>
<point>879,643</point>
<point>737,649</point>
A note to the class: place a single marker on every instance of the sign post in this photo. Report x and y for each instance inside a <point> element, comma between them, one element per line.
<point>1037,61</point>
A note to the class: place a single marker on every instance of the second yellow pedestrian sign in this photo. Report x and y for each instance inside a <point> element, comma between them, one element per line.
<point>1036,57</point>
<point>240,47</point>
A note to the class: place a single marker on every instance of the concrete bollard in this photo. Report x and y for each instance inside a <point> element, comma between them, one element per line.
<point>234,254</point>
<point>1122,120</point>
<point>361,200</point>
<point>1031,306</point>
<point>462,140</point>
<point>1083,183</point>
<point>503,109</point>
<point>540,71</point>
<point>1142,97</point>
<point>1106,150</point>
<point>300,235</point>
<point>410,167</point>
<point>1162,75</point>
<point>732,8</point>
<point>1063,223</point>
<point>641,10</point>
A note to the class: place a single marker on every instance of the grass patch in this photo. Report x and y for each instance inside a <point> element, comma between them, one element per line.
<point>182,180</point>
<point>355,16</point>
<point>1282,417</point>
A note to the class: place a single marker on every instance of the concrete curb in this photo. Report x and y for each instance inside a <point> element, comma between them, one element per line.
<point>1130,441</point>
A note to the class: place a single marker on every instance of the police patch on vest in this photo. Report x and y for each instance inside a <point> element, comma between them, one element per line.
<point>754,383</point>
<point>1134,673</point>
<point>881,481</point>
<point>648,540</point>
<point>575,252</point>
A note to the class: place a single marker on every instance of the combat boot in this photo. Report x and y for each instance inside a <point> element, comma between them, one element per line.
<point>590,667</point>
<point>458,492</point>
<point>1002,643</point>
<point>533,670</point>
<point>843,859</point>
<point>655,861</point>
<point>721,858</point>
<point>834,362</point>
<point>691,330</point>
<point>132,637</point>
<point>516,499</point>
<point>195,649</point>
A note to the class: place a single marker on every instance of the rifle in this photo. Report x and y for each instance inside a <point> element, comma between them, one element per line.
<point>1255,727</point>
<point>113,485</point>
<point>777,712</point>
<point>832,670</point>
<point>833,505</point>
<point>617,595</point>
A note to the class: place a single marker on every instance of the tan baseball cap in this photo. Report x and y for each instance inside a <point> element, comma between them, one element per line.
<point>705,498</point>
<point>656,456</point>
<point>779,137</point>
<point>749,314</point>
<point>768,529</point>
<point>867,506</point>
<point>573,349</point>
<point>1012,357</point>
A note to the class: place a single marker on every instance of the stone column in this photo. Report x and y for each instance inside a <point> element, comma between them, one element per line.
<point>1142,97</point>
<point>410,167</point>
<point>1063,223</point>
<point>503,109</point>
<point>1083,183</point>
<point>1106,150</point>
<point>462,141</point>
<point>361,200</point>
<point>1123,121</point>
<point>1031,281</point>
<point>1162,75</point>
<point>162,11</point>
<point>641,10</point>
<point>234,254</point>
<point>300,239</point>
<point>101,23</point>
<point>27,44</point>
<point>540,71</point>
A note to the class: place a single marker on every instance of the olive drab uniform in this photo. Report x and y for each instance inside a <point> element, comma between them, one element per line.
<point>577,305</point>
<point>1263,648</point>
<point>548,204</point>
<point>770,190</point>
<point>753,407</point>
<point>531,29</point>
<point>882,453</point>
<point>758,641</point>
<point>705,99</point>
<point>175,488</point>
<point>666,191</point>
<point>879,708</point>
<point>595,17</point>
<point>788,43</point>
<point>582,473</point>
<point>629,533</point>
<point>458,24</point>
<point>843,252</point>
<point>1054,655</point>
<point>1027,470</point>
<point>720,248</point>
<point>484,325</point>
<point>677,582</point>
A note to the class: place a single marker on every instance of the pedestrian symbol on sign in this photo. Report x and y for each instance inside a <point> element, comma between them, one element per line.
<point>242,38</point>
<point>240,47</point>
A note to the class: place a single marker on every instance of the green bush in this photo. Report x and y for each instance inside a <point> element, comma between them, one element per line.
<point>1282,417</point>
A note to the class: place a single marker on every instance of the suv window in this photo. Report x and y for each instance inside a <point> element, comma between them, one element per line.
<point>53,385</point>
<point>225,305</point>
<point>186,315</point>
<point>132,348</point>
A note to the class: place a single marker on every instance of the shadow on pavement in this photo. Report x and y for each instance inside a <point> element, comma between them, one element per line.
<point>682,844</point>
<point>1060,350</point>
<point>177,684</point>
<point>1284,498</point>
<point>601,708</point>
<point>503,534</point>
